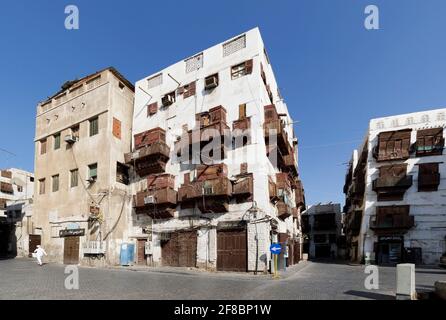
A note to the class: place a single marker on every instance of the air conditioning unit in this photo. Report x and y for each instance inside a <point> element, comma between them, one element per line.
<point>148,249</point>
<point>149,200</point>
<point>70,139</point>
<point>211,82</point>
<point>167,100</point>
<point>208,190</point>
<point>91,179</point>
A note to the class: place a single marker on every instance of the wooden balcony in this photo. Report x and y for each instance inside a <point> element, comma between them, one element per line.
<point>210,195</point>
<point>403,182</point>
<point>277,128</point>
<point>324,222</point>
<point>149,159</point>
<point>353,223</point>
<point>299,194</point>
<point>158,204</point>
<point>272,188</point>
<point>283,210</point>
<point>242,124</point>
<point>6,188</point>
<point>397,223</point>
<point>290,164</point>
<point>242,188</point>
<point>295,212</point>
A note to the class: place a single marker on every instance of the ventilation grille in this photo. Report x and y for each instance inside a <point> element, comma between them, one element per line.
<point>194,63</point>
<point>155,81</point>
<point>234,45</point>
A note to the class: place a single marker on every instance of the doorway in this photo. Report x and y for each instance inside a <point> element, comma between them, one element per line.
<point>71,250</point>
<point>33,242</point>
<point>141,251</point>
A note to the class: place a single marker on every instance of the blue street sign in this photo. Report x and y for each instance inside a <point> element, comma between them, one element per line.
<point>275,248</point>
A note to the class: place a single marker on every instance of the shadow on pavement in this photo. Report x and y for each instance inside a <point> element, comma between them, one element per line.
<point>370,295</point>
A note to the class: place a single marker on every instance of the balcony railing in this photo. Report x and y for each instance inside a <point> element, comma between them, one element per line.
<point>149,159</point>
<point>94,247</point>
<point>402,222</point>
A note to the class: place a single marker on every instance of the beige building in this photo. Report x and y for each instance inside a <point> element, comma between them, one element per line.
<point>81,186</point>
<point>16,224</point>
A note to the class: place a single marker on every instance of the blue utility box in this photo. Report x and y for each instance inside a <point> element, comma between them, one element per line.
<point>127,254</point>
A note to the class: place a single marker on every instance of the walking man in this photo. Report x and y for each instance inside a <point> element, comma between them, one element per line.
<point>39,254</point>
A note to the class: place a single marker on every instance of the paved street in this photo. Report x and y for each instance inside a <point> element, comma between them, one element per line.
<point>23,279</point>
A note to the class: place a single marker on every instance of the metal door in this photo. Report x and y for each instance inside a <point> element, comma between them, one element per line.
<point>232,250</point>
<point>71,250</point>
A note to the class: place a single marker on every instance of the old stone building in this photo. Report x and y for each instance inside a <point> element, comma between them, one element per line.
<point>396,190</point>
<point>215,177</point>
<point>16,224</point>
<point>82,195</point>
<point>322,225</point>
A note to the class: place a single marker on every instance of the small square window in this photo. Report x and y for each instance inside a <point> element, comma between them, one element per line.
<point>43,146</point>
<point>42,186</point>
<point>74,180</point>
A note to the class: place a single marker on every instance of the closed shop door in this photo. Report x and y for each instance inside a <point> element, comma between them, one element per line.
<point>33,242</point>
<point>232,250</point>
<point>180,250</point>
<point>142,252</point>
<point>71,250</point>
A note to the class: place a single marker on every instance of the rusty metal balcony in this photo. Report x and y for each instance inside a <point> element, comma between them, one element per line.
<point>397,222</point>
<point>158,204</point>
<point>283,210</point>
<point>277,128</point>
<point>149,159</point>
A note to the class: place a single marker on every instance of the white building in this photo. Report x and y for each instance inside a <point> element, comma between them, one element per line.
<point>16,194</point>
<point>323,226</point>
<point>217,215</point>
<point>396,190</point>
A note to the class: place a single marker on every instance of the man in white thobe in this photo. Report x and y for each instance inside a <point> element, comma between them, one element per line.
<point>39,254</point>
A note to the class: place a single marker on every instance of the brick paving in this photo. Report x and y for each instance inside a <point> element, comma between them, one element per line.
<point>23,279</point>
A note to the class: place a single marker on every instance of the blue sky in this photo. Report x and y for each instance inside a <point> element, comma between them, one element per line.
<point>334,74</point>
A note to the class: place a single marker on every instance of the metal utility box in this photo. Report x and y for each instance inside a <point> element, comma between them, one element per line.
<point>127,254</point>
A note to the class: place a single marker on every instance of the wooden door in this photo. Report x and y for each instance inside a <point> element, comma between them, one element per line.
<point>33,242</point>
<point>232,250</point>
<point>71,250</point>
<point>180,250</point>
<point>141,251</point>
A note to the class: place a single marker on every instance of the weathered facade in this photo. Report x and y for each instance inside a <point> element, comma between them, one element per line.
<point>16,224</point>
<point>322,226</point>
<point>82,196</point>
<point>395,191</point>
<point>207,193</point>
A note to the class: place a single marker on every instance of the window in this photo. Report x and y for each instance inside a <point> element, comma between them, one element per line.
<point>152,109</point>
<point>31,179</point>
<point>189,90</point>
<point>55,183</point>
<point>430,142</point>
<point>94,126</point>
<point>117,128</point>
<point>57,141</point>
<point>121,86</point>
<point>241,69</point>
<point>74,178</point>
<point>428,177</point>
<point>19,189</point>
<point>122,173</point>
<point>393,145</point>
<point>168,99</point>
<point>93,171</point>
<point>42,186</point>
<point>43,146</point>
